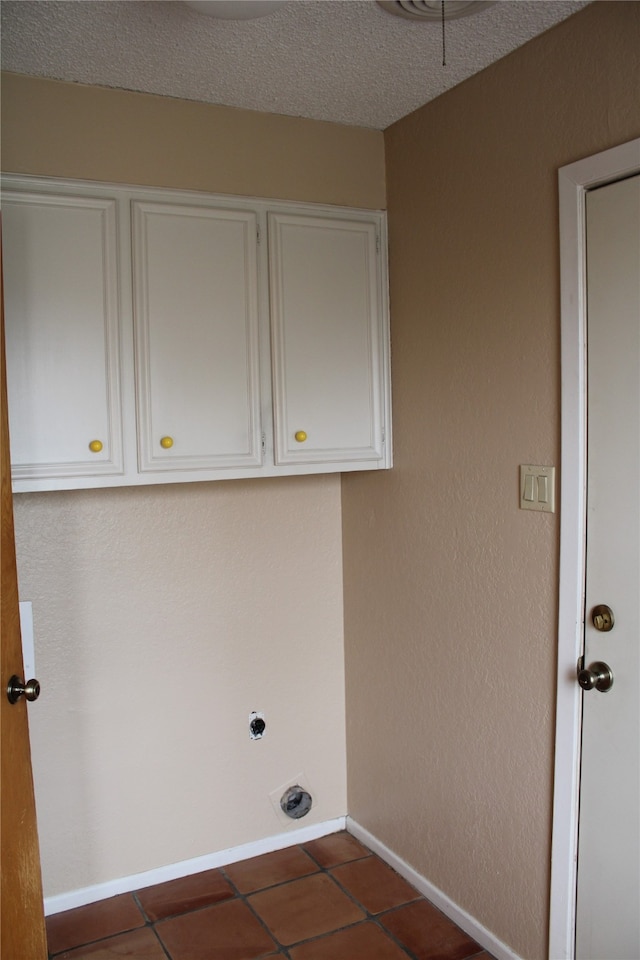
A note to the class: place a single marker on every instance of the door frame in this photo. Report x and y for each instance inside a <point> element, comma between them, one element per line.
<point>574,180</point>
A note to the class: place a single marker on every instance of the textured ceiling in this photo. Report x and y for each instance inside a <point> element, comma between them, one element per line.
<point>341,60</point>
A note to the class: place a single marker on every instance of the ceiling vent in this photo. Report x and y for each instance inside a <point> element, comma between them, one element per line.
<point>426,10</point>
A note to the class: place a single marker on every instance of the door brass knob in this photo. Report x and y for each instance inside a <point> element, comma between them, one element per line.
<point>598,675</point>
<point>17,688</point>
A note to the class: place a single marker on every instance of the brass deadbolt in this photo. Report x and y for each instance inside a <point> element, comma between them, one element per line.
<point>602,618</point>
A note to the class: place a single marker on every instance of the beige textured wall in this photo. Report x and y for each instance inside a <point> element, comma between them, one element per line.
<point>450,589</point>
<point>164,615</point>
<point>70,130</point>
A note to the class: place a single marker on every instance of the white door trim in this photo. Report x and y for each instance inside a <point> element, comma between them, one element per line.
<point>574,181</point>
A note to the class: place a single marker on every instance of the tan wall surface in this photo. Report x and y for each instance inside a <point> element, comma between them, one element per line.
<point>92,133</point>
<point>451,590</point>
<point>164,615</point>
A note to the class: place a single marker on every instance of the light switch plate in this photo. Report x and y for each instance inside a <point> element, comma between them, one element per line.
<point>537,488</point>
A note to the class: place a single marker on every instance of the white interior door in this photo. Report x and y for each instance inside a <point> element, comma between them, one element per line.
<point>608,900</point>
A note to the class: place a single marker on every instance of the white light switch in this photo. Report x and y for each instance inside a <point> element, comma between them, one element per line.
<point>537,488</point>
<point>543,489</point>
<point>530,487</point>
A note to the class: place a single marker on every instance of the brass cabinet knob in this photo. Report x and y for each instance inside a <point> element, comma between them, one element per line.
<point>300,436</point>
<point>95,446</point>
<point>166,443</point>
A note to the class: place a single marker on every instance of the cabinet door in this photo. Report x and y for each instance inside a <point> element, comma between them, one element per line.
<point>326,340</point>
<point>62,330</point>
<point>196,319</point>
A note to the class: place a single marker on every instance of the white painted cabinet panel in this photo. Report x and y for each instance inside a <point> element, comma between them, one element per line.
<point>326,323</point>
<point>161,336</point>
<point>196,323</point>
<point>62,335</point>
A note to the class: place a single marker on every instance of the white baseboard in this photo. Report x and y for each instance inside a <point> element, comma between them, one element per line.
<point>439,899</point>
<point>101,891</point>
<point>173,871</point>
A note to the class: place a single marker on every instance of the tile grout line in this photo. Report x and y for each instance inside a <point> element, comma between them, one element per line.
<point>377,917</point>
<point>164,949</point>
<point>368,916</point>
<point>326,871</point>
<point>371,916</point>
<point>245,899</point>
<point>320,870</point>
<point>152,924</point>
<point>89,943</point>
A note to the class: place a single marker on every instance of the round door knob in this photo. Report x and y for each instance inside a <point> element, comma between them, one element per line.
<point>598,675</point>
<point>17,688</point>
<point>95,446</point>
<point>166,443</point>
<point>300,436</point>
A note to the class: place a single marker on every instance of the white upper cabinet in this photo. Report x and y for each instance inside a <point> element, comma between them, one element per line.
<point>326,337</point>
<point>62,335</point>
<point>197,343</point>
<point>160,336</point>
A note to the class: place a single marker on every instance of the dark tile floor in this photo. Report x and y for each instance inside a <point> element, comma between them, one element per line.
<point>330,899</point>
